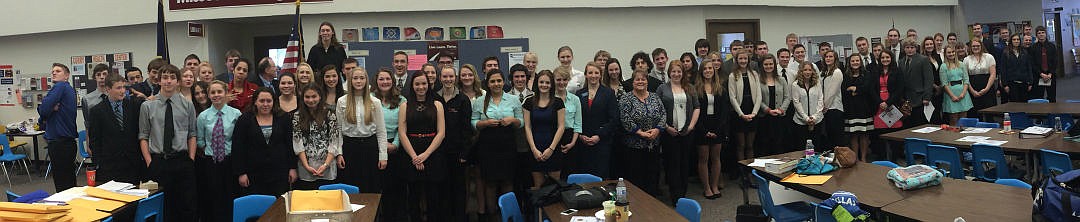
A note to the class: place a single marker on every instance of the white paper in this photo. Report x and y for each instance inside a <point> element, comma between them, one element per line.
<point>1036,130</point>
<point>356,207</point>
<point>972,138</point>
<point>1044,82</point>
<point>928,129</point>
<point>67,195</point>
<point>928,110</point>
<point>584,219</point>
<point>975,130</point>
<point>992,142</point>
<point>116,186</point>
<point>891,115</point>
<point>762,162</point>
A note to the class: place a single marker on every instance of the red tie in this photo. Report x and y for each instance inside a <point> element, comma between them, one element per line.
<point>1045,66</point>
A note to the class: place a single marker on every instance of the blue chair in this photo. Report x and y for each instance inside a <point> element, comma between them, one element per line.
<point>1073,101</point>
<point>986,157</point>
<point>915,147</point>
<point>822,213</point>
<point>11,157</point>
<point>11,196</point>
<point>349,189</point>
<point>689,209</point>
<point>508,205</point>
<point>988,125</point>
<point>1013,182</point>
<point>1038,101</point>
<point>945,155</point>
<point>582,179</point>
<point>794,211</point>
<point>82,151</point>
<point>251,206</point>
<point>1066,121</point>
<point>151,207</point>
<point>968,122</point>
<point>1020,120</point>
<point>885,163</point>
<point>108,219</point>
<point>1054,162</point>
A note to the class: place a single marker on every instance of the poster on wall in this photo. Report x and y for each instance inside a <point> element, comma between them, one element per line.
<point>441,48</point>
<point>478,32</point>
<point>371,33</point>
<point>1075,19</point>
<point>350,35</point>
<point>7,92</point>
<point>81,67</point>
<point>434,33</point>
<point>391,33</point>
<point>411,33</point>
<point>457,33</point>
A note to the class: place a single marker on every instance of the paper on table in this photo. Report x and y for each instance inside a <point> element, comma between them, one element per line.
<point>928,110</point>
<point>762,162</point>
<point>316,200</point>
<point>891,115</point>
<point>806,179</point>
<point>356,207</point>
<point>975,130</point>
<point>972,138</point>
<point>67,195</point>
<point>1036,130</point>
<point>992,142</point>
<point>928,129</point>
<point>115,186</point>
<point>98,192</point>
<point>584,219</point>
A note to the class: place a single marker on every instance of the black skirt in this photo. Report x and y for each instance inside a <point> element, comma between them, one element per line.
<point>978,82</point>
<point>361,163</point>
<point>434,167</point>
<point>496,147</point>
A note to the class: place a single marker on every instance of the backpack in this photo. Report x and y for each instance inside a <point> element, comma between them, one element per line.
<point>1058,197</point>
<point>846,207</point>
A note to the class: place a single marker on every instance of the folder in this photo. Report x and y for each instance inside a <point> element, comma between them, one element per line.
<point>100,193</point>
<point>806,179</point>
<point>99,204</point>
<point>316,200</point>
<point>25,216</point>
<point>86,215</point>
<point>32,208</point>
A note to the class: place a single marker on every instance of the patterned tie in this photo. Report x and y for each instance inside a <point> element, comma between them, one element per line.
<point>217,142</point>
<point>118,114</point>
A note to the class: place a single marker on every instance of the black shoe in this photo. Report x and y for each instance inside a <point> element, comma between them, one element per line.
<point>710,197</point>
<point>717,195</point>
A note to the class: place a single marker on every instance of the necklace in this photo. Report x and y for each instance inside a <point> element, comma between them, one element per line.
<point>420,107</point>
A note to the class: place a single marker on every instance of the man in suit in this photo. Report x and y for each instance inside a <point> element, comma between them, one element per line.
<point>231,57</point>
<point>116,134</point>
<point>863,46</point>
<point>150,87</point>
<point>918,82</point>
<point>266,75</point>
<point>1045,56</point>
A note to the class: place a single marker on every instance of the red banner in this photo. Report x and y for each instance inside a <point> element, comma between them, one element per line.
<point>190,4</point>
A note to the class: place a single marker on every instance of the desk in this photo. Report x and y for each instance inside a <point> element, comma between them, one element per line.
<point>276,212</point>
<point>864,179</point>
<point>1028,146</point>
<point>1038,109</point>
<point>33,136</point>
<point>642,205</point>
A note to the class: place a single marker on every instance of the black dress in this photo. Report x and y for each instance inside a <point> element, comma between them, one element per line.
<point>715,122</point>
<point>859,106</point>
<point>420,119</point>
<point>747,107</point>
<point>544,125</point>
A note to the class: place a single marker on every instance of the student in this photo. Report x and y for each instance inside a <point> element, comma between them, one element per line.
<point>231,57</point>
<point>304,75</point>
<point>799,55</point>
<point>682,111</point>
<point>347,67</point>
<point>918,81</point>
<point>444,59</point>
<point>577,78</point>
<point>401,65</point>
<point>715,114</point>
<point>93,98</point>
<point>490,63</point>
<point>469,84</point>
<point>316,140</point>
<point>328,51</point>
<point>928,50</point>
<point>432,75</point>
<point>954,75</point>
<point>601,58</point>
<point>187,83</point>
<point>613,77</point>
<point>690,67</point>
<point>641,61</point>
<point>363,128</point>
<point>831,81</point>
<point>115,138</point>
<point>745,98</point>
<point>150,87</point>
<point>191,62</point>
<point>824,47</point>
<point>328,81</point>
<point>496,116</point>
<point>263,157</point>
<point>215,129</point>
<point>422,130</point>
<point>964,51</point>
<point>911,33</point>
<point>200,97</point>
<point>57,116</point>
<point>390,96</point>
<point>939,46</point>
<point>1045,61</point>
<point>545,119</point>
<point>888,81</point>
<point>659,60</point>
<point>809,101</point>
<point>702,48</point>
<point>457,113</point>
<point>858,98</point>
<point>978,34</point>
<point>240,90</point>
<point>599,122</point>
<point>133,76</point>
<point>892,43</point>
<point>205,73</point>
<point>1018,75</point>
<point>760,51</point>
<point>266,75</point>
<point>519,79</point>
<point>286,99</point>
<point>642,116</point>
<point>531,61</point>
<point>863,45</point>
<point>774,104</point>
<point>572,105</point>
<point>876,50</point>
<point>167,131</point>
<point>791,40</point>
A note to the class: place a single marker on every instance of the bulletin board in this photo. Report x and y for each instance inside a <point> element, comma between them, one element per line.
<point>842,44</point>
<point>375,55</point>
<point>81,66</point>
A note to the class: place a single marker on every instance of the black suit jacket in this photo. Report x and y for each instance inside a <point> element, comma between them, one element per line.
<point>602,117</point>
<point>895,86</point>
<point>146,88</point>
<point>918,79</point>
<point>1051,57</point>
<point>109,139</point>
<point>253,155</point>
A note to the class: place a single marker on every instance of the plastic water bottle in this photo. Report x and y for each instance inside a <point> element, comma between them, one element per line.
<point>1007,123</point>
<point>1057,124</point>
<point>622,197</point>
<point>809,148</point>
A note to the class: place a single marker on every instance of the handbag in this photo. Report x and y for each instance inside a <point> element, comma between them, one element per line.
<point>582,198</point>
<point>845,157</point>
<point>813,165</point>
<point>549,194</point>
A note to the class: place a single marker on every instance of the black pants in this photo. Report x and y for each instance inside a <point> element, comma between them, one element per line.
<point>916,119</point>
<point>643,169</point>
<point>62,154</point>
<point>595,160</point>
<point>392,204</point>
<point>834,129</point>
<point>121,168</point>
<point>1018,92</point>
<point>273,182</point>
<point>454,190</point>
<point>217,188</point>
<point>176,176</point>
<point>361,164</point>
<point>1045,92</point>
<point>676,155</point>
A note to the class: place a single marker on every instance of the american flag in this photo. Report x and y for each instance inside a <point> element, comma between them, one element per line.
<point>294,52</point>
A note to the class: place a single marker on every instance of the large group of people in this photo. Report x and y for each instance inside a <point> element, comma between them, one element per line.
<point>422,139</point>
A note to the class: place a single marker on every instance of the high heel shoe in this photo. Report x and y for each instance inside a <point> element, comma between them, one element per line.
<point>716,195</point>
<point>710,197</point>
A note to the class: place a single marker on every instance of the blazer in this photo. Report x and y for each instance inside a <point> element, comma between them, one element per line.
<point>253,155</point>
<point>918,79</point>
<point>108,138</point>
<point>602,117</point>
<point>735,90</point>
<point>895,86</point>
<point>1051,56</point>
<point>1018,68</point>
<point>717,122</point>
<point>668,98</point>
<point>628,85</point>
<point>782,97</point>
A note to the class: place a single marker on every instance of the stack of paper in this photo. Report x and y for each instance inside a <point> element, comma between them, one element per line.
<point>762,162</point>
<point>116,186</point>
<point>10,211</point>
<point>981,140</point>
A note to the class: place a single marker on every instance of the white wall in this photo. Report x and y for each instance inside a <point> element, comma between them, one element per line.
<point>990,11</point>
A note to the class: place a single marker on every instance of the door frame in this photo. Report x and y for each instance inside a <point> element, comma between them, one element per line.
<point>756,36</point>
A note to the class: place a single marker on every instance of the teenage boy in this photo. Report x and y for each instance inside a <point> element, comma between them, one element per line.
<point>167,141</point>
<point>115,136</point>
<point>57,116</point>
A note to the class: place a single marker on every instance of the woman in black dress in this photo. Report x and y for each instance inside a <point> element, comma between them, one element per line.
<point>262,145</point>
<point>745,99</point>
<point>713,131</point>
<point>421,129</point>
<point>544,125</point>
<point>858,97</point>
<point>328,51</point>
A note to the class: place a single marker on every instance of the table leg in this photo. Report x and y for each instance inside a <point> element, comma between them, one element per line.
<point>888,151</point>
<point>1030,159</point>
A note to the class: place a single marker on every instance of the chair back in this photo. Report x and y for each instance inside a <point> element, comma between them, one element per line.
<point>251,206</point>
<point>886,163</point>
<point>764,194</point>
<point>11,196</point>
<point>349,189</point>
<point>968,122</point>
<point>988,125</point>
<point>1066,121</point>
<point>82,144</point>
<point>822,213</point>
<point>689,209</point>
<point>1038,101</point>
<point>6,145</point>
<point>1013,182</point>
<point>915,147</point>
<point>1054,162</point>
<point>1020,120</point>
<point>582,178</point>
<point>508,205</point>
<point>151,207</point>
<point>986,158</point>
<point>945,155</point>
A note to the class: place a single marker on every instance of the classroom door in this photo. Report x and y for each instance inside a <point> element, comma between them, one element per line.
<point>720,32</point>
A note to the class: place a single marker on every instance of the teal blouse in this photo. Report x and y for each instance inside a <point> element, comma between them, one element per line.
<point>510,106</point>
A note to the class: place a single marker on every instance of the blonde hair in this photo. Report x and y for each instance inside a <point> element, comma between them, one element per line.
<point>955,61</point>
<point>800,80</point>
<point>350,105</point>
<point>476,78</point>
<point>717,81</point>
<point>739,69</point>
